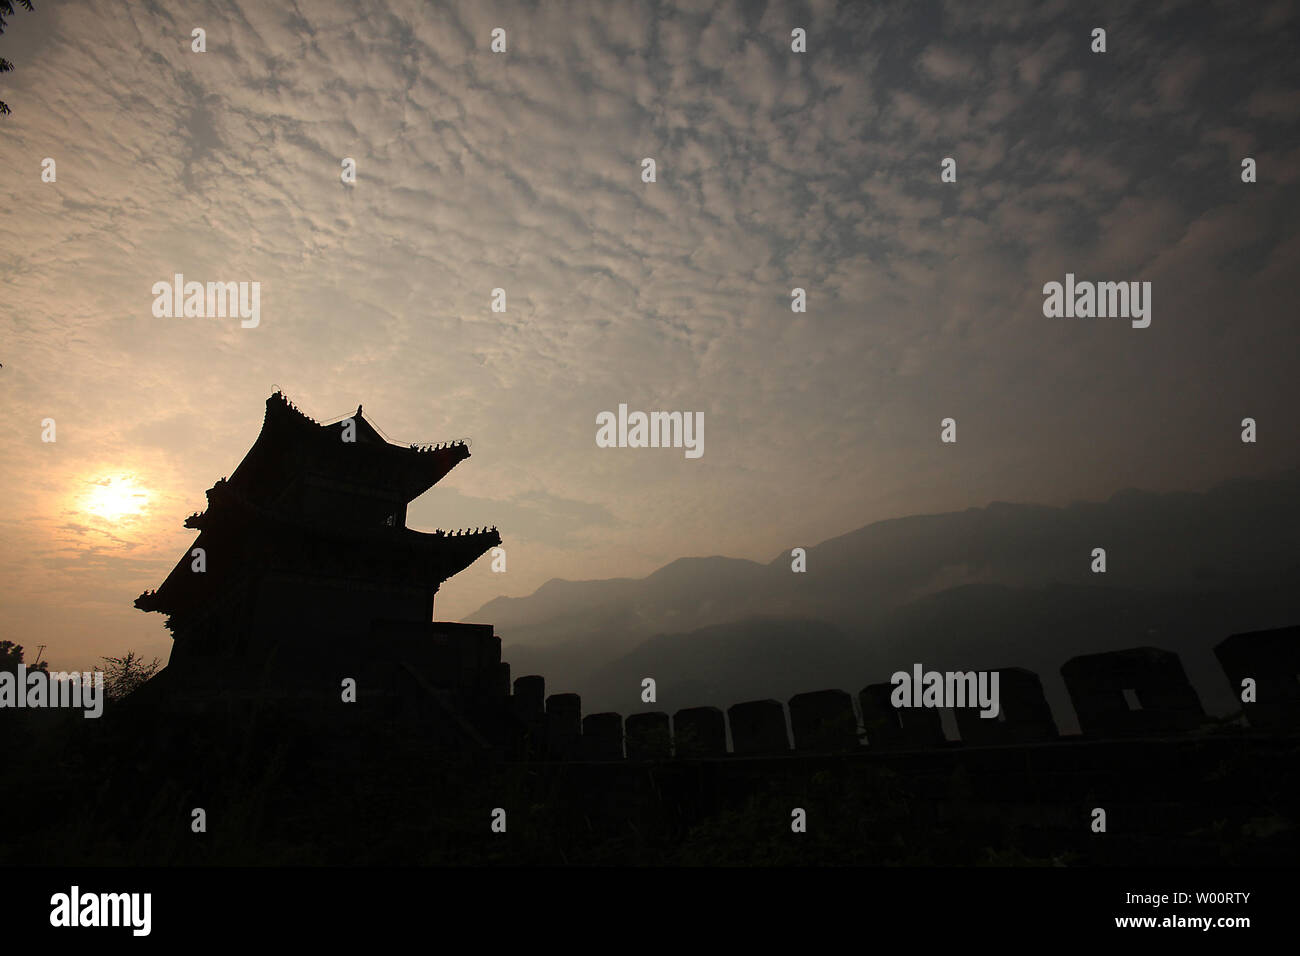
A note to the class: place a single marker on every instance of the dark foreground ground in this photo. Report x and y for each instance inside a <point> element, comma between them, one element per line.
<point>282,789</point>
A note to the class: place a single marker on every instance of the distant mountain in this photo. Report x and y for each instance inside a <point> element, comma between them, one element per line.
<point>981,626</point>
<point>684,592</point>
<point>724,664</point>
<point>987,587</point>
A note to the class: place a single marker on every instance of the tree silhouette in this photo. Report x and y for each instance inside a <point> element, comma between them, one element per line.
<point>7,10</point>
<point>11,655</point>
<point>122,675</point>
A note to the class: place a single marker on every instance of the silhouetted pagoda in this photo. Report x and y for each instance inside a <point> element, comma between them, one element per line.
<point>310,575</point>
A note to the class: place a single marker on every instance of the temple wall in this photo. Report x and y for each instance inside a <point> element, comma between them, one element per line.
<point>297,612</point>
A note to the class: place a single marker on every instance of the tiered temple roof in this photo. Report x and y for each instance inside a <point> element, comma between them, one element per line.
<point>308,504</point>
<point>292,444</point>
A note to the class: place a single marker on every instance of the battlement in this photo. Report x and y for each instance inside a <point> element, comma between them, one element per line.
<point>1124,694</point>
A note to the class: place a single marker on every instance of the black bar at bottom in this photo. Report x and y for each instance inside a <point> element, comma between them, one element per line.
<point>333,905</point>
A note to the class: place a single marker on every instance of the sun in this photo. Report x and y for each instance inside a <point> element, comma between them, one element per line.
<point>115,498</point>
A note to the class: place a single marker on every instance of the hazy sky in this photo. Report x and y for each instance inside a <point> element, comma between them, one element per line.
<point>522,171</point>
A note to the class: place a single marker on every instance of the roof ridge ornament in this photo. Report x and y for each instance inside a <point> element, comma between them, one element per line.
<point>279,396</point>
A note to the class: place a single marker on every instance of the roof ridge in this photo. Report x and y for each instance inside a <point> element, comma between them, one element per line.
<point>280,398</point>
<point>284,401</point>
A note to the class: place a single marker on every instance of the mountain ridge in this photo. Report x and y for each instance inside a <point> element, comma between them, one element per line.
<point>991,573</point>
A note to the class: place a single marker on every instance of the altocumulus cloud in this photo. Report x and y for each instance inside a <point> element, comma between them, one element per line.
<point>521,171</point>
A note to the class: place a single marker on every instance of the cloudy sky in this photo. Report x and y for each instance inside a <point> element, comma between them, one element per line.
<point>522,170</point>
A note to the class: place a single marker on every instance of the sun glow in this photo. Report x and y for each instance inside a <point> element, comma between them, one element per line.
<point>115,498</point>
